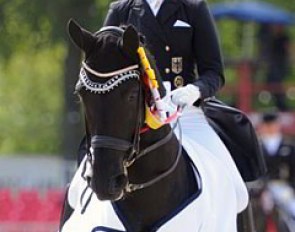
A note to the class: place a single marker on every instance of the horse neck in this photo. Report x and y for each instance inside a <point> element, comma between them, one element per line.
<point>144,207</point>
<point>157,160</point>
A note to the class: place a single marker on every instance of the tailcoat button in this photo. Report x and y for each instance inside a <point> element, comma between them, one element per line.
<point>167,70</point>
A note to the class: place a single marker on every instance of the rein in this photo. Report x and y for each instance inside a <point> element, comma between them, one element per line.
<point>132,150</point>
<point>133,187</point>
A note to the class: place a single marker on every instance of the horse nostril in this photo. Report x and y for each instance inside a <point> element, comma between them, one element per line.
<point>117,183</point>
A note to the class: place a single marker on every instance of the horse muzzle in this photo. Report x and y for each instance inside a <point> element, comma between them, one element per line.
<point>113,190</point>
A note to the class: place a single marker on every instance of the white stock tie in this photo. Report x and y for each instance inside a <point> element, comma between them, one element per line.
<point>155,5</point>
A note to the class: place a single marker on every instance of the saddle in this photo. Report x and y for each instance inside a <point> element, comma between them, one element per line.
<point>238,134</point>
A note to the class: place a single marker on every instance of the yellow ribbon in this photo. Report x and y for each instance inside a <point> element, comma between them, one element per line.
<point>150,119</point>
<point>147,67</point>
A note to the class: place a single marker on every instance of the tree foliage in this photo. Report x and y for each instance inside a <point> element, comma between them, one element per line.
<point>31,101</point>
<point>33,48</point>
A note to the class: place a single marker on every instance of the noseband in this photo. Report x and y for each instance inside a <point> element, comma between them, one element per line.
<point>131,148</point>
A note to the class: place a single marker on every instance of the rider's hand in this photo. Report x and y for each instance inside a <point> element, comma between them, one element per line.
<point>185,96</point>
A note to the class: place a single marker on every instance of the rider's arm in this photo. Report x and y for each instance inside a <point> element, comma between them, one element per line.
<point>207,51</point>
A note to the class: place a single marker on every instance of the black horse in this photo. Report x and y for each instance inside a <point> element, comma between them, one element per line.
<point>143,172</point>
<point>114,118</point>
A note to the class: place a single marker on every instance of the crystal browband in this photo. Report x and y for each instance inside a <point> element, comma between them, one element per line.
<point>102,88</point>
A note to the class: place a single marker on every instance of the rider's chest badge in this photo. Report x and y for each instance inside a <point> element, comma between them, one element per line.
<point>176,65</point>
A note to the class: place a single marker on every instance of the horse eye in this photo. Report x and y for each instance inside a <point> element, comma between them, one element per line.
<point>132,96</point>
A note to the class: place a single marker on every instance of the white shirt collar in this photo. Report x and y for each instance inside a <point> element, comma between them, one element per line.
<point>155,5</point>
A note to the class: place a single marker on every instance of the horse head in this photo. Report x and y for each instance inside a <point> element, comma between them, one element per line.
<point>113,93</point>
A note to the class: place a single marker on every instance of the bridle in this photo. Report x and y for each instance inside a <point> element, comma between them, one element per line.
<point>131,148</point>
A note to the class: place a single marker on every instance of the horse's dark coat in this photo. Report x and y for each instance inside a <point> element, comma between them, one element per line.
<point>115,114</point>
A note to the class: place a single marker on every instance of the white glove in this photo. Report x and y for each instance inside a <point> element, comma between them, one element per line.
<point>168,105</point>
<point>185,96</point>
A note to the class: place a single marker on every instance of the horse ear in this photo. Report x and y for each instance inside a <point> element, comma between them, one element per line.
<point>130,40</point>
<point>79,36</point>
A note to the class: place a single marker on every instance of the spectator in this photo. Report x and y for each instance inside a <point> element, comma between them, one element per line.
<point>279,155</point>
<point>264,42</point>
<point>279,151</point>
<point>278,64</point>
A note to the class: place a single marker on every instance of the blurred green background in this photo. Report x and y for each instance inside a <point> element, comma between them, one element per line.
<point>39,113</point>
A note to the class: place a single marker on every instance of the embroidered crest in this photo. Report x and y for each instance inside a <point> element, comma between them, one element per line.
<point>176,65</point>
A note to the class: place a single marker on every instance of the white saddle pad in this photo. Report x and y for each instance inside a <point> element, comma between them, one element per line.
<point>213,210</point>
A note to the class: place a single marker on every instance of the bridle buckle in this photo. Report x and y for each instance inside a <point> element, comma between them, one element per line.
<point>129,162</point>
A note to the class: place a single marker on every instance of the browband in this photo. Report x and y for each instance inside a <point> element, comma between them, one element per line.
<point>102,88</point>
<point>109,74</point>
